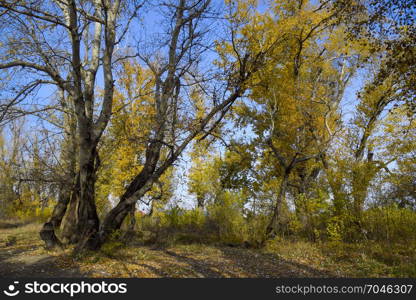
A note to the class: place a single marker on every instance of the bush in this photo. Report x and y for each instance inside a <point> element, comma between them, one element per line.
<point>194,218</point>
<point>335,229</point>
<point>178,218</point>
<point>223,222</point>
<point>26,210</point>
<point>392,224</point>
<point>173,225</point>
<point>227,215</point>
<point>256,229</point>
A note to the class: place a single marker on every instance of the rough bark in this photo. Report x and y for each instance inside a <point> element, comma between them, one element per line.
<point>115,217</point>
<point>92,31</point>
<point>47,232</point>
<point>69,233</point>
<point>274,226</point>
<point>90,131</point>
<point>87,221</point>
<point>68,187</point>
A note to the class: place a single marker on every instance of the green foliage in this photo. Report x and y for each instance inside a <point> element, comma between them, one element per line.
<point>175,225</point>
<point>335,229</point>
<point>256,228</point>
<point>223,222</point>
<point>390,224</point>
<point>178,218</point>
<point>226,214</point>
<point>194,218</point>
<point>25,209</point>
<point>311,215</point>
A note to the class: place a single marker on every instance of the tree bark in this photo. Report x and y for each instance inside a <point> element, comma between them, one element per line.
<point>87,217</point>
<point>68,190</point>
<point>142,183</point>
<point>47,232</point>
<point>200,201</point>
<point>69,233</point>
<point>274,226</point>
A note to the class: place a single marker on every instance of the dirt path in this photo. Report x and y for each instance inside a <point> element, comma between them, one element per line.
<point>22,255</point>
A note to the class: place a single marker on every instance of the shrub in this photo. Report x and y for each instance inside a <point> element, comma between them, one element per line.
<point>26,210</point>
<point>335,229</point>
<point>173,225</point>
<point>226,214</point>
<point>194,218</point>
<point>390,223</point>
<point>256,229</point>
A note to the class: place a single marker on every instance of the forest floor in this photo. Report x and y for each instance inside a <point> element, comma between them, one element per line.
<point>22,255</point>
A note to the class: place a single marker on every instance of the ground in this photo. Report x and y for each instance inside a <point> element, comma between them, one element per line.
<point>22,255</point>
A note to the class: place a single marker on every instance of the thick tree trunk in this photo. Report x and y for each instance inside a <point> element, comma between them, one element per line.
<point>68,187</point>
<point>69,230</point>
<point>132,223</point>
<point>136,189</point>
<point>47,232</point>
<point>113,220</point>
<point>87,217</point>
<point>81,223</point>
<point>274,226</point>
<point>76,213</point>
<point>64,217</point>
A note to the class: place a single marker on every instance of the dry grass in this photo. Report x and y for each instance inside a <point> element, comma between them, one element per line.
<point>367,259</point>
<point>22,255</point>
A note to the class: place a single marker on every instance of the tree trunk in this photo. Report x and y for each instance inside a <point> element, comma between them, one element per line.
<point>132,223</point>
<point>115,217</point>
<point>136,189</point>
<point>87,217</point>
<point>64,217</point>
<point>47,232</point>
<point>69,232</point>
<point>274,226</point>
<point>130,232</point>
<point>68,187</point>
<point>200,201</point>
<point>79,222</point>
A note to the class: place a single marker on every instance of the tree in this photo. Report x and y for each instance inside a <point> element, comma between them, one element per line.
<point>386,28</point>
<point>203,175</point>
<point>122,150</point>
<point>173,128</point>
<point>46,30</point>
<point>296,98</point>
<point>91,30</point>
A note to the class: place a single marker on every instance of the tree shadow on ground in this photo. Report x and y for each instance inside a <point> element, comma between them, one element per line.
<point>198,266</point>
<point>27,259</point>
<point>234,262</point>
<point>12,224</point>
<point>9,252</point>
<point>268,265</point>
<point>45,267</point>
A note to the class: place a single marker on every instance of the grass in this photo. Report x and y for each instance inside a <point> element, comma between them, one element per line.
<point>22,255</point>
<point>369,259</point>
